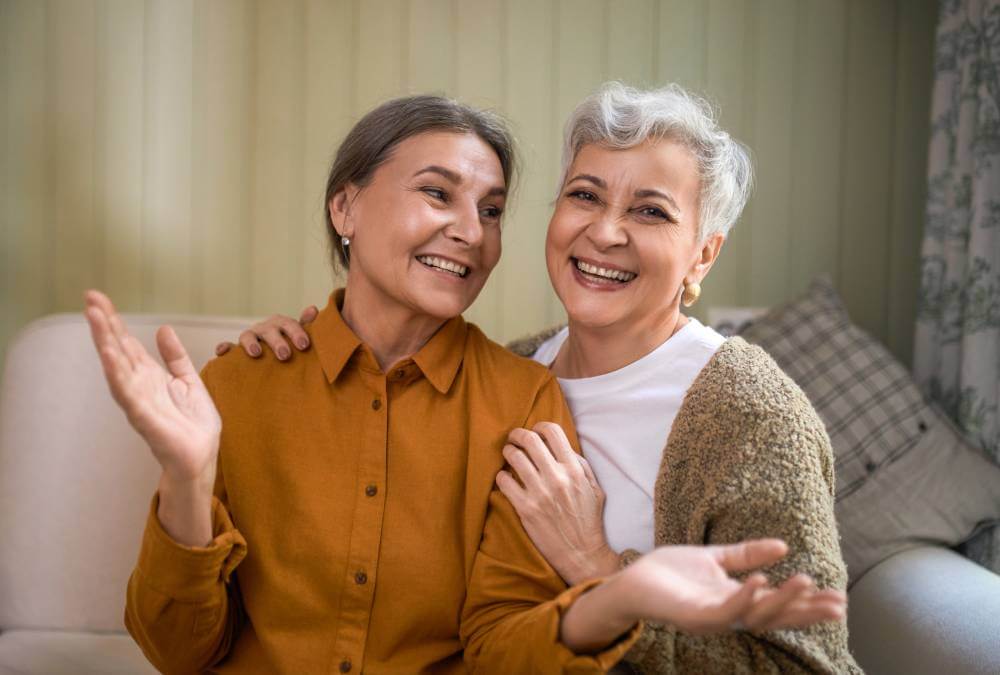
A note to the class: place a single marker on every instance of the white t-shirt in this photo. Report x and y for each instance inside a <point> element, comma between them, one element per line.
<point>623,419</point>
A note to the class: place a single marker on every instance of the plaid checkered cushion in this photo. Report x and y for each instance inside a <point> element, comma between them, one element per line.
<point>905,476</point>
<point>872,409</point>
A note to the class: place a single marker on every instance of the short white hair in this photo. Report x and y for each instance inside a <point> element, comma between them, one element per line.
<point>619,116</point>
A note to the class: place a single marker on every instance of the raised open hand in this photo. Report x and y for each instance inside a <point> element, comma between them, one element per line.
<point>170,408</point>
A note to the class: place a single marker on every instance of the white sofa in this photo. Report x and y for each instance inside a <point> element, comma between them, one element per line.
<point>75,484</point>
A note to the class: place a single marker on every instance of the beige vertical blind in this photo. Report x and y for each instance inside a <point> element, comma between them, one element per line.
<point>174,152</point>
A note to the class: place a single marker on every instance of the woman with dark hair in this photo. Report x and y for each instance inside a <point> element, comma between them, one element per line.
<point>339,513</point>
<point>689,438</point>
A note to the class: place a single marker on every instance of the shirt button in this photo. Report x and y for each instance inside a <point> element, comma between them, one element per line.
<point>360,578</point>
<point>371,490</point>
<point>376,404</point>
<point>345,666</point>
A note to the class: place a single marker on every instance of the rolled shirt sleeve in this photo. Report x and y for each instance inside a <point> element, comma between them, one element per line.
<point>182,605</point>
<point>512,615</point>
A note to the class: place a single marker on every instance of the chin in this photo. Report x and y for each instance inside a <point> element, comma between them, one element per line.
<point>591,312</point>
<point>441,304</point>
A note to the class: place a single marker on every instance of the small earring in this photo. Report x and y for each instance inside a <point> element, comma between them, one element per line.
<point>345,245</point>
<point>691,294</point>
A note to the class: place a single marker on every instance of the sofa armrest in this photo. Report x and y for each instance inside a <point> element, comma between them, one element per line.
<point>926,610</point>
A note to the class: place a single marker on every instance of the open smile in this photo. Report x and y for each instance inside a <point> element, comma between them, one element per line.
<point>601,275</point>
<point>439,264</point>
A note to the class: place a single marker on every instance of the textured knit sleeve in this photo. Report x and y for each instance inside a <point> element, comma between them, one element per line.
<point>182,603</point>
<point>511,618</point>
<point>747,458</point>
<point>527,346</point>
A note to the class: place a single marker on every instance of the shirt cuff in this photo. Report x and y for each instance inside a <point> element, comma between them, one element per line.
<point>189,573</point>
<point>604,660</point>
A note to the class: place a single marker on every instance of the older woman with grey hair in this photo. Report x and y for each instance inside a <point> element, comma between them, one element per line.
<point>688,437</point>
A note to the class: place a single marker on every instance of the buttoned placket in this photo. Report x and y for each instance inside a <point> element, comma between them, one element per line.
<point>358,593</point>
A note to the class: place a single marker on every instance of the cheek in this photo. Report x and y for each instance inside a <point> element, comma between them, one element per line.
<point>492,248</point>
<point>560,234</point>
<point>663,257</point>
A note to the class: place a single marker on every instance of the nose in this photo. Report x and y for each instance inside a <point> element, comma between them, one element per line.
<point>465,227</point>
<point>606,232</point>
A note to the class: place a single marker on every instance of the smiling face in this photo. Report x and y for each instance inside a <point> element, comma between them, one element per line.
<point>425,232</point>
<point>624,235</point>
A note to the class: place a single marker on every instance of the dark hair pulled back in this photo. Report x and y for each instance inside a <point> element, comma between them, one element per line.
<point>371,142</point>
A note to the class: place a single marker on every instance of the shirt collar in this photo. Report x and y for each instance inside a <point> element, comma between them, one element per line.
<point>336,343</point>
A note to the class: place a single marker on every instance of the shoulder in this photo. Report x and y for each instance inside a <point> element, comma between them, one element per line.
<point>513,367</point>
<point>234,376</point>
<point>743,405</point>
<point>513,387</point>
<point>743,377</point>
<point>231,366</point>
<point>529,344</point>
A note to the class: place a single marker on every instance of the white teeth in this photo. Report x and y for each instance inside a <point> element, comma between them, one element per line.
<point>617,275</point>
<point>443,264</point>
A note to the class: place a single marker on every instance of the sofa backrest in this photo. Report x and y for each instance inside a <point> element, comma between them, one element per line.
<point>75,480</point>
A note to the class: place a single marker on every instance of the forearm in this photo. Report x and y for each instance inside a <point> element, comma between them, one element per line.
<point>599,617</point>
<point>180,637</point>
<point>181,606</point>
<point>185,510</point>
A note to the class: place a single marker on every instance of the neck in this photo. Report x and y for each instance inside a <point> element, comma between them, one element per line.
<point>393,332</point>
<point>590,351</point>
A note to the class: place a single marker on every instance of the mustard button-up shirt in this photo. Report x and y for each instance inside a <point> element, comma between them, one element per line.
<point>357,525</point>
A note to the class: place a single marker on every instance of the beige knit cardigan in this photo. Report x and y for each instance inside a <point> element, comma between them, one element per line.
<point>747,457</point>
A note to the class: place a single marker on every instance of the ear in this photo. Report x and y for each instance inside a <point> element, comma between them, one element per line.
<point>340,210</point>
<point>707,256</point>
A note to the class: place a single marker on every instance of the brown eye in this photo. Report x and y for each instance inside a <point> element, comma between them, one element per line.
<point>436,193</point>
<point>491,213</point>
<point>654,213</point>
<point>583,195</point>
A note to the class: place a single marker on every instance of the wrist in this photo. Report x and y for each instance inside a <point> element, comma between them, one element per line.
<point>194,489</point>
<point>598,617</point>
<point>627,587</point>
<point>580,567</point>
<point>606,562</point>
<point>185,511</point>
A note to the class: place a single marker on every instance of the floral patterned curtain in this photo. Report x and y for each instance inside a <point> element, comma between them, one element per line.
<point>957,345</point>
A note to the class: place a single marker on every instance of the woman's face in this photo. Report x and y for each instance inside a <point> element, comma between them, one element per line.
<point>624,235</point>
<point>425,232</point>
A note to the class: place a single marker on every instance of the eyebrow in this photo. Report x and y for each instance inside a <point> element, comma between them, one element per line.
<point>455,178</point>
<point>638,193</point>
<point>590,179</point>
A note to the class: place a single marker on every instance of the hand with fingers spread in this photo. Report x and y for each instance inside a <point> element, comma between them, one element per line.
<point>703,598</point>
<point>559,501</point>
<point>690,588</point>
<point>276,331</point>
<point>170,408</point>
<point>560,504</point>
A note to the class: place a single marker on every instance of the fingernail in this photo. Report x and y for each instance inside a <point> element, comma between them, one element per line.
<point>255,350</point>
<point>303,343</point>
<point>282,353</point>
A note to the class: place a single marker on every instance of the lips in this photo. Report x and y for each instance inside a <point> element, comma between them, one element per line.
<point>602,272</point>
<point>444,265</point>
